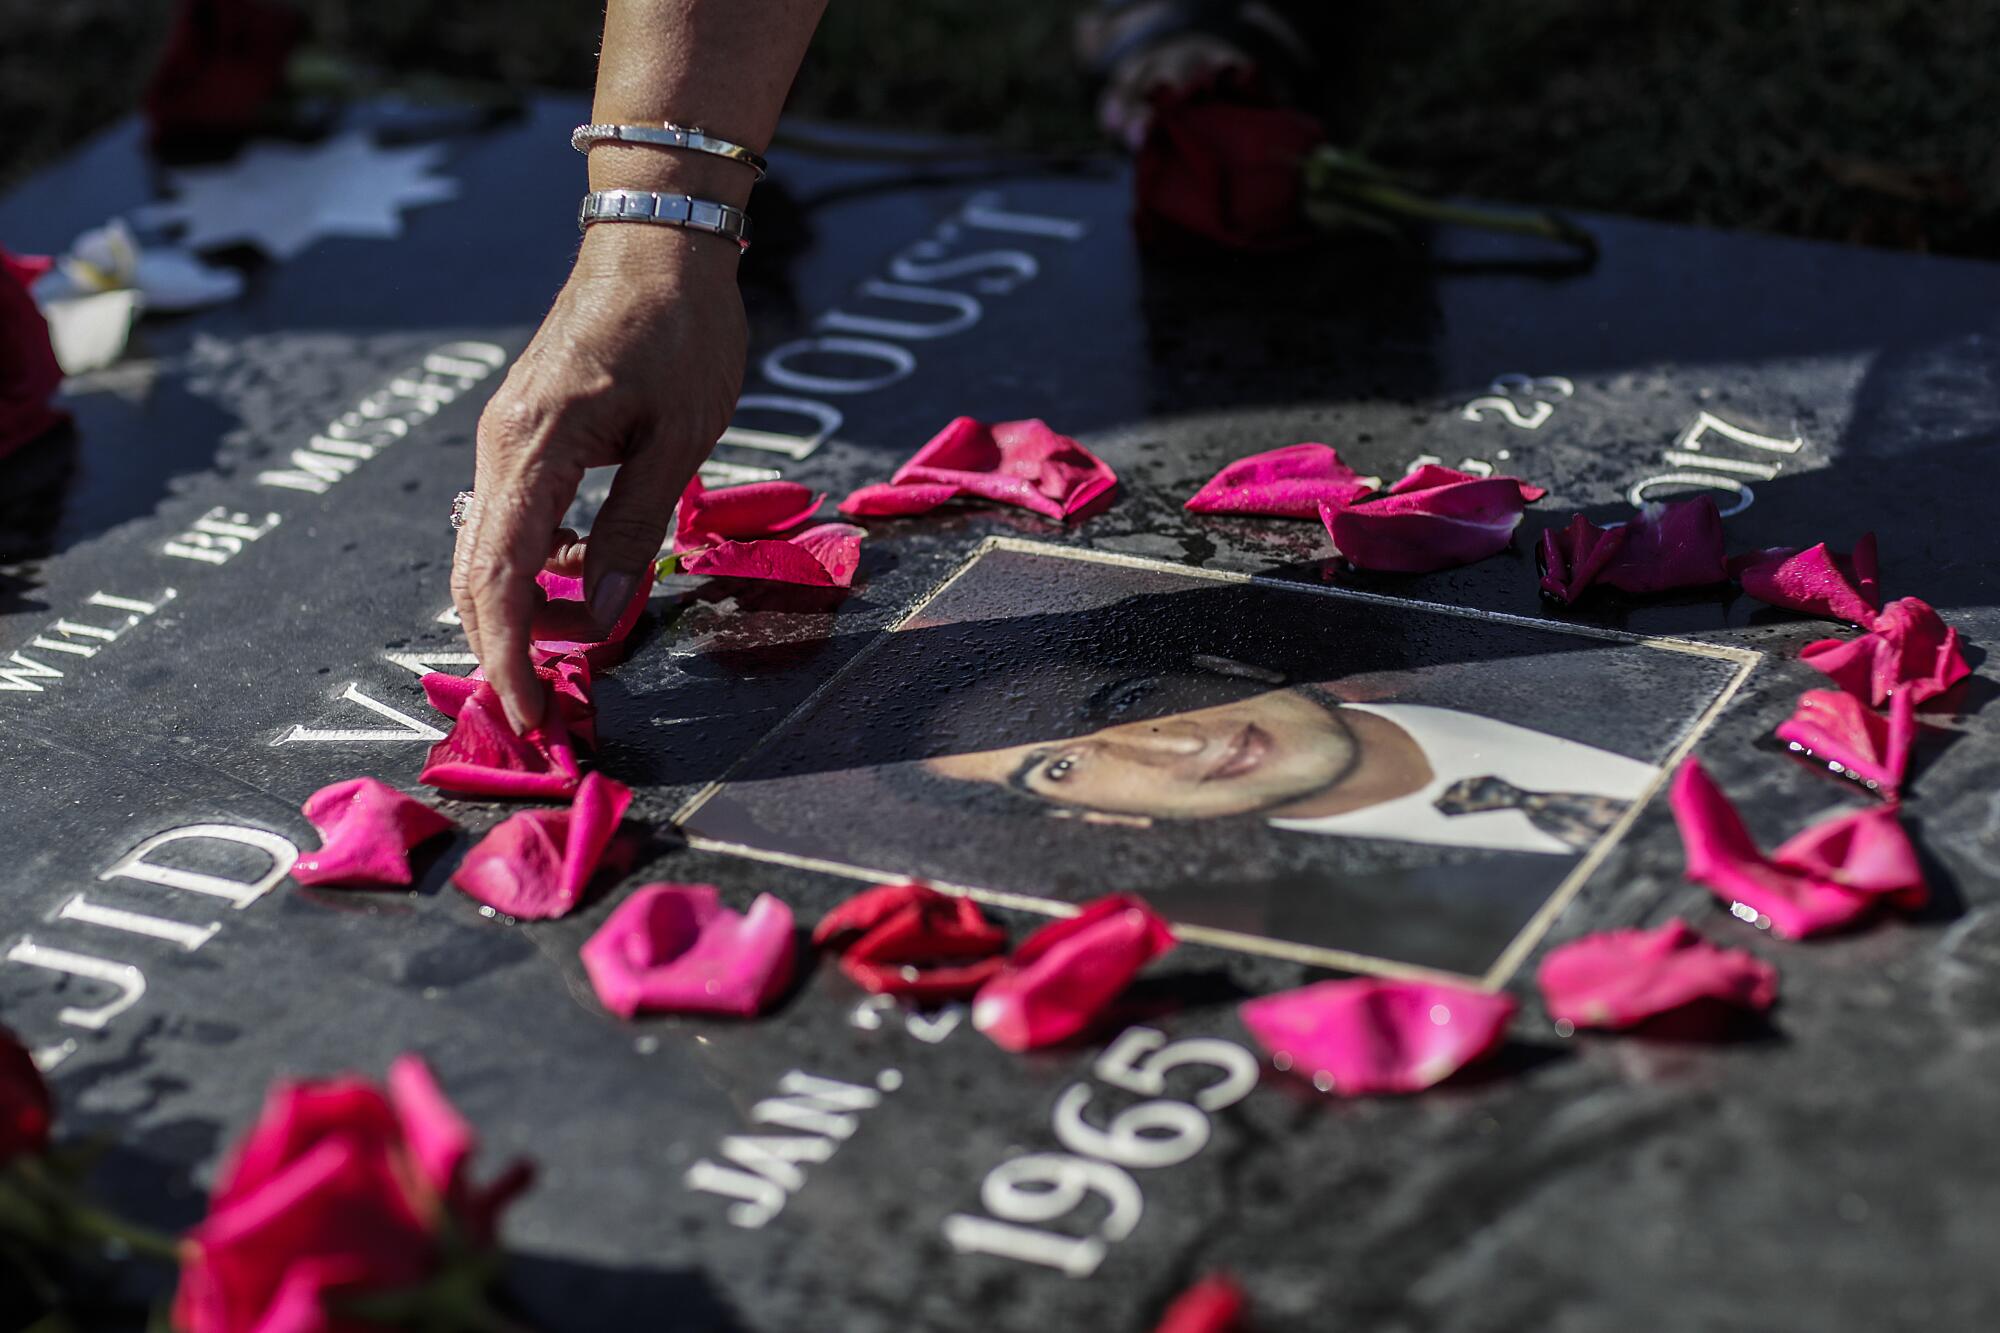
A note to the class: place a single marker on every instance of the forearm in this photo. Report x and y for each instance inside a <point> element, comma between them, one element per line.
<point>722,65</point>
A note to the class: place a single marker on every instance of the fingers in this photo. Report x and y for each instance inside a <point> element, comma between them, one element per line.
<point>522,496</point>
<point>629,530</point>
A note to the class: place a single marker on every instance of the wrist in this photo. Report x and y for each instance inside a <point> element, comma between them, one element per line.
<point>651,257</point>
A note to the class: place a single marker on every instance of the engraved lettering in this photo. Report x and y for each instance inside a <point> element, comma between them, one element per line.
<point>24,673</point>
<point>407,728</point>
<point>1641,491</point>
<point>762,1200</point>
<point>815,1105</point>
<point>128,980</point>
<point>714,473</point>
<point>423,664</point>
<point>240,892</point>
<point>827,417</point>
<point>984,211</point>
<point>80,908</point>
<point>1018,265</point>
<point>313,471</point>
<point>899,360</point>
<point>132,604</point>
<point>218,535</point>
<point>967,308</point>
<point>776,1157</point>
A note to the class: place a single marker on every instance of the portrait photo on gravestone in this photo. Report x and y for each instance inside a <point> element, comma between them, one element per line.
<point>1363,781</point>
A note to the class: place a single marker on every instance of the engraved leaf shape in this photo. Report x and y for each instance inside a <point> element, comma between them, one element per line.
<point>1291,482</point>
<point>1067,973</point>
<point>1434,518</point>
<point>1368,1036</point>
<point>1816,580</point>
<point>366,829</point>
<point>537,863</point>
<point>1794,902</point>
<point>1909,648</point>
<point>1620,978</point>
<point>483,756</point>
<point>911,941</point>
<point>1834,728</point>
<point>674,948</point>
<point>1022,463</point>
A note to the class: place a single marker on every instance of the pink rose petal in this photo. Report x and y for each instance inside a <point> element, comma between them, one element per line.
<point>1868,851</point>
<point>822,557</point>
<point>1292,482</point>
<point>738,513</point>
<point>601,654</point>
<point>443,1145</point>
<point>1677,544</point>
<point>1013,462</point>
<point>1067,972</point>
<point>366,829</point>
<point>1817,581</point>
<point>537,863</point>
<point>1435,518</point>
<point>1213,1305</point>
<point>568,679</point>
<point>1909,647</point>
<point>674,948</point>
<point>888,500</point>
<point>1574,556</point>
<point>1366,1036</point>
<point>1623,977</point>
<point>1840,731</point>
<point>482,756</point>
<point>1721,855</point>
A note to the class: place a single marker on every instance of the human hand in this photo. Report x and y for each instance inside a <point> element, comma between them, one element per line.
<point>638,363</point>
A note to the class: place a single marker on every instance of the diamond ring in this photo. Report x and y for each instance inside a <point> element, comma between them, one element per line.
<point>461,509</point>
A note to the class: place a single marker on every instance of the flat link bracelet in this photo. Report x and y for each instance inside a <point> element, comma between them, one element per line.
<point>665,135</point>
<point>671,210</point>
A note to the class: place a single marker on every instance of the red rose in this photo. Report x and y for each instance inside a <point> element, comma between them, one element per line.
<point>1224,165</point>
<point>25,1105</point>
<point>29,374</point>
<point>225,59</point>
<point>339,1188</point>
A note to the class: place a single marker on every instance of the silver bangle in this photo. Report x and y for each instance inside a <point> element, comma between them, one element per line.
<point>665,135</point>
<point>671,210</point>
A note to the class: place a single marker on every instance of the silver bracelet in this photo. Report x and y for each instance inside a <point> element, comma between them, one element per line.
<point>665,135</point>
<point>671,210</point>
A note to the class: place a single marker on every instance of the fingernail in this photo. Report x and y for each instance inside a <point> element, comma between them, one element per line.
<point>608,598</point>
<point>521,724</point>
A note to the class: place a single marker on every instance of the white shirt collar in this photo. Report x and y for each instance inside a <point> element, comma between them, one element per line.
<point>1466,745</point>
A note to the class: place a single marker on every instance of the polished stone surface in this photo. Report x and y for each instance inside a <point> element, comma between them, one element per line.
<point>1834,1171</point>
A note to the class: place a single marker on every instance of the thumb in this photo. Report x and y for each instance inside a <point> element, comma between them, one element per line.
<point>626,536</point>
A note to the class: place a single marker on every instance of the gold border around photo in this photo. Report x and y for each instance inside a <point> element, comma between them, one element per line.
<point>1509,959</point>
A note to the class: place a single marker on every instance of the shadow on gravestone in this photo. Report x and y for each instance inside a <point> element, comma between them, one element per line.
<point>559,1293</point>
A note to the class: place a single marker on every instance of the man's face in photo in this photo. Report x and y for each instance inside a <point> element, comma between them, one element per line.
<point>1232,759</point>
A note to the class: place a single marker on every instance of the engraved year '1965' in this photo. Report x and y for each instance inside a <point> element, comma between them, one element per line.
<point>1042,1187</point>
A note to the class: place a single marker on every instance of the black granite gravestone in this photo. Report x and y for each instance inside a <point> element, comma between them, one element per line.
<point>216,610</point>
